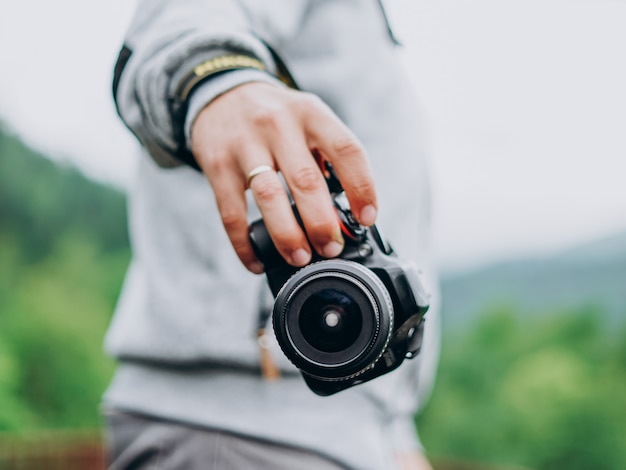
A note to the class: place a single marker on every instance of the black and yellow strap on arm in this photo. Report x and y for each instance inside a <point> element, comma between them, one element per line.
<point>206,70</point>
<point>213,66</point>
<point>223,61</point>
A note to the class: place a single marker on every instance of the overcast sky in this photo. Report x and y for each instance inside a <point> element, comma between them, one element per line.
<point>524,101</point>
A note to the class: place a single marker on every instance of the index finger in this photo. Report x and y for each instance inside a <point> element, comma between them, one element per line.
<point>327,134</point>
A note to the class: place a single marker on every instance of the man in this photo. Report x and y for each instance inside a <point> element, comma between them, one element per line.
<point>208,89</point>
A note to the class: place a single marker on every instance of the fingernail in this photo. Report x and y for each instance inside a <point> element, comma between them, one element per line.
<point>332,249</point>
<point>368,215</point>
<point>300,257</point>
<point>256,267</point>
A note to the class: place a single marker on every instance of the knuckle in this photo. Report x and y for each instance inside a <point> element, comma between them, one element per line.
<point>217,162</point>
<point>240,247</point>
<point>347,146</point>
<point>287,239</point>
<point>364,190</point>
<point>267,189</point>
<point>268,117</point>
<point>310,99</point>
<point>231,220</point>
<point>244,251</point>
<point>237,138</point>
<point>306,180</point>
<point>321,230</point>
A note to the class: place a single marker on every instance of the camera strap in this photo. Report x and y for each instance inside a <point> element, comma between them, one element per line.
<point>269,369</point>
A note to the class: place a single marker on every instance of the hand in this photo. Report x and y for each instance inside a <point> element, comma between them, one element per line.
<point>261,124</point>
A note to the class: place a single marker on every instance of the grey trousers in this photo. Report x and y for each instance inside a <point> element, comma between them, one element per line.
<point>136,442</point>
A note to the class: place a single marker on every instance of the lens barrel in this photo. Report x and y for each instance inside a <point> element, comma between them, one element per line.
<point>333,319</point>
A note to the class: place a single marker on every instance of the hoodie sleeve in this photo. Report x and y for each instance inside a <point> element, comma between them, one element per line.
<point>165,52</point>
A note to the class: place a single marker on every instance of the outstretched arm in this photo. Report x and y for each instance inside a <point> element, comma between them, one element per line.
<point>237,120</point>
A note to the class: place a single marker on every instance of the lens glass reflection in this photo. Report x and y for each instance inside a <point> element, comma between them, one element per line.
<point>330,320</point>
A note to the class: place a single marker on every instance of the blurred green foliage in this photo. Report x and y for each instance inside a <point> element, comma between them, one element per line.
<point>63,252</point>
<point>543,391</point>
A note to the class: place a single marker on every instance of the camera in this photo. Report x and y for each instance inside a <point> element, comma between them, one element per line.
<point>346,320</point>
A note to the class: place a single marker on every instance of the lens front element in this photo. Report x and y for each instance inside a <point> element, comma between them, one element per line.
<point>331,320</point>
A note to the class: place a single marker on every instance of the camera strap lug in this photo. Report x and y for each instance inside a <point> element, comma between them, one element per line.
<point>407,341</point>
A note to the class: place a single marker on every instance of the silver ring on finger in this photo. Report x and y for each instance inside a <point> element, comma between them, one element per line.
<point>257,171</point>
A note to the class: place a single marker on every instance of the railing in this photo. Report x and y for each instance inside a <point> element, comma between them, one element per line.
<point>54,451</point>
<point>85,451</point>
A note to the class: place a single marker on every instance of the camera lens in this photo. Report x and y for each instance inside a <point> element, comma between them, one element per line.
<point>330,320</point>
<point>333,319</point>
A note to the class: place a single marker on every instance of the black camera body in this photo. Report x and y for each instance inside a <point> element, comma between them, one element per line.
<point>347,320</point>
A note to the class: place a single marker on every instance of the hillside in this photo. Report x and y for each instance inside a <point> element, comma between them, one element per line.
<point>591,275</point>
<point>63,253</point>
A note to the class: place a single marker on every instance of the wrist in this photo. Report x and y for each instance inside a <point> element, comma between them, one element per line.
<point>218,73</point>
<point>208,91</point>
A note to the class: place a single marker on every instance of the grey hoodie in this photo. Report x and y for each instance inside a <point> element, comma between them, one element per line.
<point>184,329</point>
